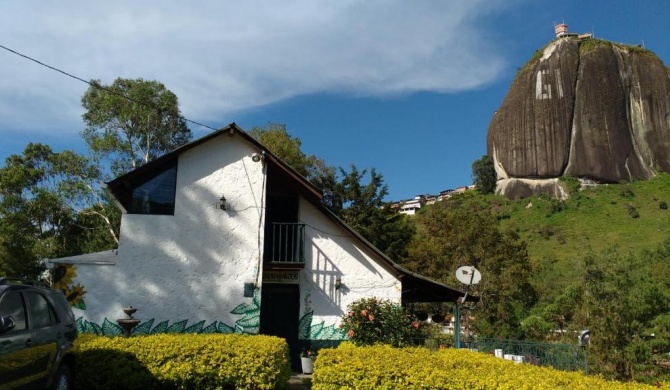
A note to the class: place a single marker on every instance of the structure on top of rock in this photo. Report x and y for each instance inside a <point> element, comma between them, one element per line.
<point>585,108</point>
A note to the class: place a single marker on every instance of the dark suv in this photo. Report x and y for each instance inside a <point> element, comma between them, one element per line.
<point>37,332</point>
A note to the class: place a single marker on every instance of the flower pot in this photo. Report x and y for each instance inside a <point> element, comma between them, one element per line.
<point>422,316</point>
<point>307,365</point>
<point>437,318</point>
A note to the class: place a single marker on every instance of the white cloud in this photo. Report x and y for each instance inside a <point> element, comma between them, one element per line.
<point>221,57</point>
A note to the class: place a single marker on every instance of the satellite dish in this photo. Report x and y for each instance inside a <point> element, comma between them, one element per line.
<point>468,275</point>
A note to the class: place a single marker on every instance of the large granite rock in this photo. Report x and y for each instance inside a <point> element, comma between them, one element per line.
<point>589,109</point>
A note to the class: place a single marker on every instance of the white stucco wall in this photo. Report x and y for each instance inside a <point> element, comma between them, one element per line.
<point>193,265</point>
<point>332,251</point>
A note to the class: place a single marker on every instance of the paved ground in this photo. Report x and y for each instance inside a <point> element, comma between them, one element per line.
<point>299,382</point>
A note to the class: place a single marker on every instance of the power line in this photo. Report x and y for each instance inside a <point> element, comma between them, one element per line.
<point>96,85</point>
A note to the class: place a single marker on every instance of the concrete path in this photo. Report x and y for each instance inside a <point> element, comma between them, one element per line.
<point>299,382</point>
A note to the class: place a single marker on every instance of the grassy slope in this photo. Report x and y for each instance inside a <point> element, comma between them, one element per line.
<point>595,219</point>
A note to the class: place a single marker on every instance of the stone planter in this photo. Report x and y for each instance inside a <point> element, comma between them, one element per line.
<point>307,365</point>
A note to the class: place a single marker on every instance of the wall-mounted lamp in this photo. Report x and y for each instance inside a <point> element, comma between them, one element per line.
<point>222,203</point>
<point>256,157</point>
<point>338,282</point>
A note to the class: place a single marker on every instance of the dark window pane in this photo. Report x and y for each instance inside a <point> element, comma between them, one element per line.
<point>155,195</point>
<point>41,313</point>
<point>11,304</point>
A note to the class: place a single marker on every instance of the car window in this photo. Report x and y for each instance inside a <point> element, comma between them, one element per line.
<point>41,312</point>
<point>62,307</point>
<point>11,304</point>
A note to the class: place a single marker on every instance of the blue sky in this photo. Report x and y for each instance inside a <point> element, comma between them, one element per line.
<point>406,87</point>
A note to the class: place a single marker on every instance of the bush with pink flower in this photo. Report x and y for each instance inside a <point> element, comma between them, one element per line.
<point>376,321</point>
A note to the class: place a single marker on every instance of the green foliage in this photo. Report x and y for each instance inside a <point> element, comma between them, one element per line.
<point>632,211</point>
<point>571,184</point>
<point>50,208</point>
<point>663,205</point>
<point>458,232</point>
<point>383,367</point>
<point>484,175</point>
<point>275,137</point>
<point>589,45</point>
<point>360,205</point>
<point>626,298</point>
<point>190,361</point>
<point>131,122</point>
<point>372,321</point>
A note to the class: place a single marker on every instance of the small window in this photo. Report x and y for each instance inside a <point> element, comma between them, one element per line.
<point>41,312</point>
<point>11,304</point>
<point>156,194</point>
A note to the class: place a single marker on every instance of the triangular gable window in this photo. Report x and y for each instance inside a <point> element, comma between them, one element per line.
<point>154,194</point>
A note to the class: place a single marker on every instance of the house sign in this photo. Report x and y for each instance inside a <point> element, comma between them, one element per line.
<point>281,277</point>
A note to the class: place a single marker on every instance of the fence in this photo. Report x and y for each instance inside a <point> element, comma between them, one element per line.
<point>564,357</point>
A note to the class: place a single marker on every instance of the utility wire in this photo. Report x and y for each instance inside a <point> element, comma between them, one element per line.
<point>96,85</point>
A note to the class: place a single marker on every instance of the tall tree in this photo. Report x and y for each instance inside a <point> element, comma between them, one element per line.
<point>457,232</point>
<point>360,205</point>
<point>484,175</point>
<point>131,122</point>
<point>45,200</point>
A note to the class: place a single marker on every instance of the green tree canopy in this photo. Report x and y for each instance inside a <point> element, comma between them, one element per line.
<point>484,175</point>
<point>48,207</point>
<point>456,232</point>
<point>131,122</point>
<point>360,205</point>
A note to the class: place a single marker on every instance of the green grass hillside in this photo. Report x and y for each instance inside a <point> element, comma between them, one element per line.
<point>631,216</point>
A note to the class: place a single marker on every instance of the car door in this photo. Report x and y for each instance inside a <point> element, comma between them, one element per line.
<point>16,363</point>
<point>28,350</point>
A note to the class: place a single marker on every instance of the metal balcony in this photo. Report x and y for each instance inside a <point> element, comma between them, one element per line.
<point>286,244</point>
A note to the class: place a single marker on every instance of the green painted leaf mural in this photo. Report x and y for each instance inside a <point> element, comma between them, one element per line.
<point>144,328</point>
<point>160,328</point>
<point>81,328</point>
<point>177,327</point>
<point>305,325</point>
<point>251,316</point>
<point>90,327</point>
<point>244,308</point>
<point>210,328</point>
<point>81,305</point>
<point>111,329</point>
<point>223,328</point>
<point>195,328</point>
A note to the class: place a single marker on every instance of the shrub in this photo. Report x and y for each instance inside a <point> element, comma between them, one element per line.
<point>374,321</point>
<point>546,231</point>
<point>571,184</point>
<point>383,367</point>
<point>663,205</point>
<point>632,211</point>
<point>626,191</point>
<point>182,361</point>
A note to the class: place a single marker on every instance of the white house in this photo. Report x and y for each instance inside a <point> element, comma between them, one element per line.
<point>221,236</point>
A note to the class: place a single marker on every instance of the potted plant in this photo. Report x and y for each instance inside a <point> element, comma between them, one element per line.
<point>307,358</point>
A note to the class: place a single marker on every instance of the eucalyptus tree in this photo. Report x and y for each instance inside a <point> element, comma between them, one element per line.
<point>47,207</point>
<point>131,122</point>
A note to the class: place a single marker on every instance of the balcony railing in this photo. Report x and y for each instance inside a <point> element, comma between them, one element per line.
<point>286,244</point>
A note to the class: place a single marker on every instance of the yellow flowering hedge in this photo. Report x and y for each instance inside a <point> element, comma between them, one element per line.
<point>384,367</point>
<point>182,361</point>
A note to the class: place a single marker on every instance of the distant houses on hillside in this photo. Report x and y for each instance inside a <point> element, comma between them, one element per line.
<point>412,206</point>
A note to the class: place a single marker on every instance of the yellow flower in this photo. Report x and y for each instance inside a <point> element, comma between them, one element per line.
<point>63,275</point>
<point>75,294</point>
